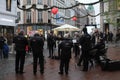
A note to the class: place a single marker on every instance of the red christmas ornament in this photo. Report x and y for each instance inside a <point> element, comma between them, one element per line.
<point>74,18</point>
<point>54,10</point>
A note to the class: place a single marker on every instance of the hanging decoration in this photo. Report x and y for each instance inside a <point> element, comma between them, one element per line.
<point>54,10</point>
<point>74,18</point>
<point>79,16</point>
<point>44,9</point>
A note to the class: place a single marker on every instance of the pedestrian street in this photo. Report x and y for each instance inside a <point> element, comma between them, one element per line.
<point>52,68</point>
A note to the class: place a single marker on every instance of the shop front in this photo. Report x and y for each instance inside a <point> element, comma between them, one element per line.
<point>31,29</point>
<point>8,33</point>
<point>7,25</point>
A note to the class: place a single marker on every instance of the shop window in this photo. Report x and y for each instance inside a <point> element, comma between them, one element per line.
<point>8,32</point>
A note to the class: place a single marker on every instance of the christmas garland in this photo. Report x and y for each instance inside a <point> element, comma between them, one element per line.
<point>46,8</point>
<point>101,13</point>
<point>33,6</point>
<point>78,16</point>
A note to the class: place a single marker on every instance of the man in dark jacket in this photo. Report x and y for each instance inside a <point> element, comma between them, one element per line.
<point>51,43</point>
<point>65,55</point>
<point>86,45</point>
<point>20,44</point>
<point>2,41</point>
<point>37,44</point>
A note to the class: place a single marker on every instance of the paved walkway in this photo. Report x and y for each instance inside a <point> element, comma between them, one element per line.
<point>52,68</point>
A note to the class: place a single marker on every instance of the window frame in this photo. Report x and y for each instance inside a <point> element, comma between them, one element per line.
<point>28,16</point>
<point>8,5</point>
<point>39,16</point>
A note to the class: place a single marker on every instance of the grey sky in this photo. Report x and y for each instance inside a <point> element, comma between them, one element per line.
<point>96,7</point>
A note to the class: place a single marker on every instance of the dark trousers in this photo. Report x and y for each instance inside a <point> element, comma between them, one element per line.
<point>20,60</point>
<point>59,51</point>
<point>76,50</point>
<point>50,47</point>
<point>85,57</point>
<point>5,55</point>
<point>1,53</point>
<point>64,64</point>
<point>80,60</point>
<point>36,57</point>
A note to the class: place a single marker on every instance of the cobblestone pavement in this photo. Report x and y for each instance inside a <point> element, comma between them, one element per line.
<point>52,67</point>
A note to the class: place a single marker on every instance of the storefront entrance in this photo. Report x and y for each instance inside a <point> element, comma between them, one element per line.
<point>7,32</point>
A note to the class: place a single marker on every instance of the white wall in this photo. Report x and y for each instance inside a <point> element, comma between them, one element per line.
<point>8,17</point>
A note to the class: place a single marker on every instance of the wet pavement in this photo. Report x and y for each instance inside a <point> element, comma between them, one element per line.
<point>52,68</point>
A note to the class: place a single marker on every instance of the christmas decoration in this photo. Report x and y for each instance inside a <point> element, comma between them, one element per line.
<point>54,10</point>
<point>74,18</point>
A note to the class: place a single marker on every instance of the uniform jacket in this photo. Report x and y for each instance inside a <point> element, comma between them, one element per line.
<point>85,42</point>
<point>20,42</point>
<point>37,44</point>
<point>65,47</point>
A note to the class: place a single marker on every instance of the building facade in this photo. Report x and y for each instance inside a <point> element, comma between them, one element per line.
<point>82,11</point>
<point>111,16</point>
<point>8,15</point>
<point>32,20</point>
<point>91,11</point>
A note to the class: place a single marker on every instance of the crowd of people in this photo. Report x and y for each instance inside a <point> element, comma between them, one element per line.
<point>80,44</point>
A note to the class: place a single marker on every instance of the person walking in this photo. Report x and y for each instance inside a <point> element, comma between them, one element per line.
<point>37,44</point>
<point>65,55</point>
<point>20,44</point>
